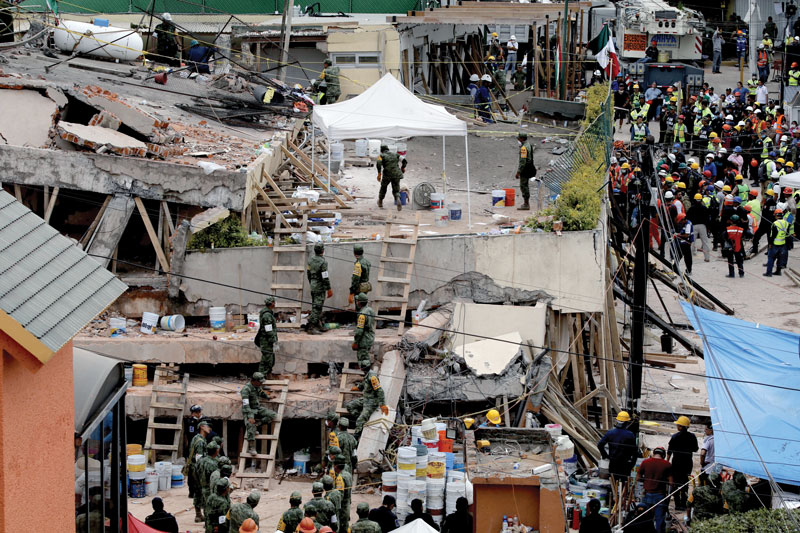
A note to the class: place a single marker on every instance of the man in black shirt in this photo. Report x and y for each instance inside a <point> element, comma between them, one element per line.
<point>160,519</point>
<point>459,521</point>
<point>681,447</point>
<point>418,514</point>
<point>593,522</point>
<point>384,515</point>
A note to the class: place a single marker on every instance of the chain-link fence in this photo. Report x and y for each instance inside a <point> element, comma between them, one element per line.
<point>591,146</point>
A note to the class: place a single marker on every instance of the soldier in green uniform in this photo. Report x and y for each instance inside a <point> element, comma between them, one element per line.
<point>197,450</point>
<point>392,173</point>
<point>317,272</point>
<point>525,170</point>
<point>343,482</point>
<point>327,460</point>
<point>292,517</point>
<point>347,443</point>
<point>706,501</point>
<point>325,509</point>
<point>330,424</point>
<point>267,336</point>
<point>217,506</point>
<point>364,334</point>
<point>363,524</point>
<point>205,467</point>
<point>518,79</point>
<point>242,511</point>
<point>734,491</point>
<point>335,497</point>
<point>372,398</point>
<point>330,75</point>
<point>360,282</point>
<point>253,413</point>
<point>225,470</point>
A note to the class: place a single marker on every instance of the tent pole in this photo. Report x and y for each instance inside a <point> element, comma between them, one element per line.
<point>329,162</point>
<point>469,196</point>
<point>313,144</point>
<point>444,174</point>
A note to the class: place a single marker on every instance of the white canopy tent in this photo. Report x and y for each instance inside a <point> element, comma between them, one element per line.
<point>389,110</point>
<point>790,180</point>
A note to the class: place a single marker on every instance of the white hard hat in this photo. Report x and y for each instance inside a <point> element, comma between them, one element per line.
<point>760,46</point>
<point>486,77</point>
<point>718,184</point>
<point>613,160</point>
<point>166,16</point>
<point>729,117</point>
<point>671,157</point>
<point>748,108</point>
<point>784,138</point>
<point>668,195</point>
<point>596,72</point>
<point>709,156</point>
<point>662,173</point>
<point>474,77</point>
<point>741,123</point>
<point>723,151</point>
<point>728,197</point>
<point>513,38</point>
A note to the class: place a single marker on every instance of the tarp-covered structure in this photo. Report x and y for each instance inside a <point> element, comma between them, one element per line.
<point>790,180</point>
<point>388,109</point>
<point>753,382</point>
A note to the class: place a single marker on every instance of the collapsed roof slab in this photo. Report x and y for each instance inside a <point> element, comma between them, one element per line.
<point>295,350</point>
<point>112,174</point>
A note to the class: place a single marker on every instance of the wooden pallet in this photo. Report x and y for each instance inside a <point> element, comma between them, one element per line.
<point>267,441</point>
<point>169,394</point>
<point>289,270</point>
<point>393,259</point>
<point>345,384</point>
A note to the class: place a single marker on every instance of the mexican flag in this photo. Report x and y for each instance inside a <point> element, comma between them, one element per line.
<point>603,49</point>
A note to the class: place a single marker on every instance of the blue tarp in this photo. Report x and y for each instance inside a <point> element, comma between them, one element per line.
<point>768,359</point>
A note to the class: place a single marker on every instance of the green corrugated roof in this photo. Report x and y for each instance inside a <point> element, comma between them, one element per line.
<point>47,283</point>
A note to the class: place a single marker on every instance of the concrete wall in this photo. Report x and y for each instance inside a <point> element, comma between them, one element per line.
<point>373,38</point>
<point>36,439</point>
<point>569,268</point>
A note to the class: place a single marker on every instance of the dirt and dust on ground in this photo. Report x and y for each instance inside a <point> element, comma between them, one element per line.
<point>273,504</point>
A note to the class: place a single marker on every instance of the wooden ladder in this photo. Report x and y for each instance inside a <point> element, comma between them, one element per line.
<point>400,265</point>
<point>268,442</point>
<point>345,384</point>
<point>289,270</point>
<point>169,394</point>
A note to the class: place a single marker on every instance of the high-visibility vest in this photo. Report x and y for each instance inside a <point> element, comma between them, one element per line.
<point>751,88</point>
<point>707,201</point>
<point>752,223</point>
<point>639,132</point>
<point>767,148</point>
<point>762,58</point>
<point>794,77</point>
<point>679,131</point>
<point>755,208</point>
<point>697,126</point>
<point>783,230</point>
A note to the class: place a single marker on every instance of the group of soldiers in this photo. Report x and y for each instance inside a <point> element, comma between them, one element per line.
<point>210,486</point>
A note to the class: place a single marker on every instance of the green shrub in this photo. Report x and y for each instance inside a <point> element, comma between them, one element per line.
<point>596,95</point>
<point>227,233</point>
<point>753,521</point>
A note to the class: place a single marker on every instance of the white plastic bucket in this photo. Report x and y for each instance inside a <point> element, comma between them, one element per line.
<point>422,466</point>
<point>137,475</point>
<point>565,448</point>
<point>554,430</point>
<point>374,147</point>
<point>437,200</point>
<point>216,316</point>
<point>253,321</point>
<point>499,198</point>
<point>151,482</point>
<point>163,468</point>
<point>362,147</point>
<point>337,151</point>
<point>177,470</point>
<point>149,323</point>
<point>136,463</point>
<point>301,462</point>
<point>431,444</point>
<point>118,326</point>
<point>455,476</point>
<point>173,323</point>
<point>406,461</point>
<point>128,371</point>
<point>389,482</point>
<point>164,482</point>
<point>402,149</point>
<point>416,435</point>
<point>428,428</point>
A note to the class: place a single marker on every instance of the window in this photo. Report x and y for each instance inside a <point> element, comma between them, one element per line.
<point>357,60</point>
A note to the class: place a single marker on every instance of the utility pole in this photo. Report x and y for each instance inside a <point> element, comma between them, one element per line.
<point>562,63</point>
<point>286,36</point>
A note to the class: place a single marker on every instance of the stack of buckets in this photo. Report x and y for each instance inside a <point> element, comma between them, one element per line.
<point>164,473</point>
<point>136,471</point>
<point>456,488</point>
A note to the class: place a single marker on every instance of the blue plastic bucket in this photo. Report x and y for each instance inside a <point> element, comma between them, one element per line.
<point>177,480</point>
<point>403,197</point>
<point>137,488</point>
<point>301,462</point>
<point>455,211</point>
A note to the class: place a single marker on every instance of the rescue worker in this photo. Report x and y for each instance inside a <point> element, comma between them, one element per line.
<point>334,497</point>
<point>390,172</point>
<point>199,57</point>
<point>217,507</point>
<point>639,131</point>
<point>325,509</point>
<point>735,251</point>
<point>779,232</point>
<point>483,99</point>
<point>360,281</point>
<point>317,273</point>
<point>525,169</point>
<point>343,481</point>
<point>622,449</point>
<point>326,466</point>
<point>762,62</point>
<point>330,76</point>
<point>205,467</point>
<point>737,498</point>
<point>372,398</point>
<point>331,419</point>
<point>679,451</point>
<point>225,469</point>
<point>518,79</point>
<point>253,413</point>
<point>167,41</point>
<point>706,501</point>
<point>656,475</point>
<point>192,423</point>
<point>364,524</point>
<point>267,336</point>
<point>291,517</point>
<point>347,443</point>
<point>364,334</point>
<point>242,511</point>
<point>197,450</point>
<point>679,130</point>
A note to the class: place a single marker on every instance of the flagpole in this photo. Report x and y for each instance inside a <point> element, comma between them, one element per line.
<point>563,80</point>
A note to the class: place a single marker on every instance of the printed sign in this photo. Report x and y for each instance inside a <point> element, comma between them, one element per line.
<point>666,41</point>
<point>635,42</point>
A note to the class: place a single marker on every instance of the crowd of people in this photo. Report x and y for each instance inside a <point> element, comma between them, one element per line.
<point>717,163</point>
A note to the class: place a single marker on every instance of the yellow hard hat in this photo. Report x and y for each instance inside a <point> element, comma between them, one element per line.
<point>770,192</point>
<point>726,188</point>
<point>636,86</point>
<point>780,160</point>
<point>739,177</point>
<point>483,443</point>
<point>494,34</point>
<point>695,166</point>
<point>669,179</point>
<point>789,164</point>
<point>637,169</point>
<point>493,416</point>
<point>623,416</point>
<point>712,135</point>
<point>698,196</point>
<point>491,58</point>
<point>626,165</point>
<point>681,185</point>
<point>683,421</point>
<point>673,99</point>
<point>468,422</point>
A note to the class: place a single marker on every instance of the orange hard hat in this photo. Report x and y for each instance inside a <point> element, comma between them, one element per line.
<point>754,162</point>
<point>716,140</point>
<point>680,216</point>
<point>306,526</point>
<point>794,64</point>
<point>726,127</point>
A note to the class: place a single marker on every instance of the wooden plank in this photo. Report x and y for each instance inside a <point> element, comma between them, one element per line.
<point>95,222</point>
<point>51,204</point>
<point>324,171</point>
<point>18,192</point>
<point>168,217</point>
<point>278,213</point>
<point>148,225</point>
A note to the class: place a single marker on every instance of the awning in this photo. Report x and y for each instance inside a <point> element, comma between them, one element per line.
<point>96,378</point>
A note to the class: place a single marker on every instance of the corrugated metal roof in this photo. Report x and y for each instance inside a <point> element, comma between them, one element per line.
<point>47,283</point>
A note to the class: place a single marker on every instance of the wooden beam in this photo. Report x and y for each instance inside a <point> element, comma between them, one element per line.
<point>148,225</point>
<point>272,183</point>
<point>18,192</point>
<point>89,232</point>
<point>51,205</point>
<point>272,204</point>
<point>170,223</point>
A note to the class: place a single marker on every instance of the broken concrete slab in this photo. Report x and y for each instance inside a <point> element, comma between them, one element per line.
<point>25,118</point>
<point>496,320</point>
<point>101,139</point>
<point>134,118</point>
<point>208,217</point>
<point>57,96</point>
<point>426,384</point>
<point>491,356</point>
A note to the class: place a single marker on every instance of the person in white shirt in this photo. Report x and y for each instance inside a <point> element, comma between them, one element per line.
<point>511,54</point>
<point>708,463</point>
<point>762,93</point>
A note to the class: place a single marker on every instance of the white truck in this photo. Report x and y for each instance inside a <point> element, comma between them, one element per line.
<point>678,32</point>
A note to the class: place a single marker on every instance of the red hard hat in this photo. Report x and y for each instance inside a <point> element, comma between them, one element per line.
<point>665,166</point>
<point>707,173</point>
<point>753,192</point>
<point>787,190</point>
<point>794,64</point>
<point>754,162</point>
<point>653,41</point>
<point>681,117</point>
